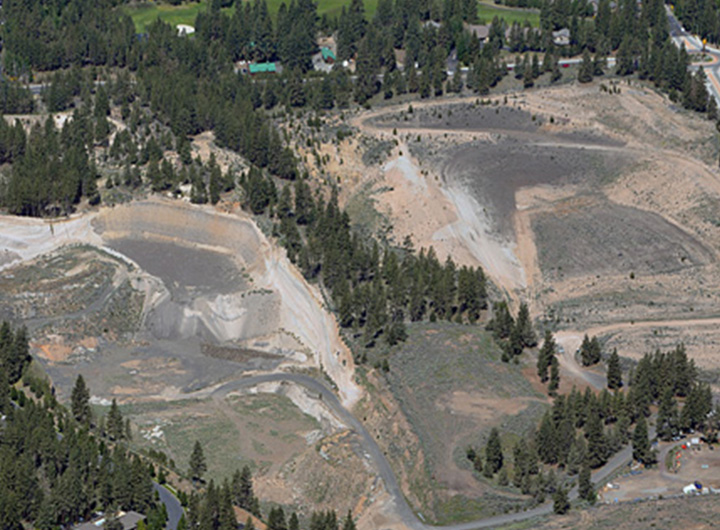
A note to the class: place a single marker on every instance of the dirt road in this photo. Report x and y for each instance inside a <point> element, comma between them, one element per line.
<point>406,515</point>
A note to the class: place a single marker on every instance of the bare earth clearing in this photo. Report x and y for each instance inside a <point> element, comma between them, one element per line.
<point>599,210</point>
<point>156,299</point>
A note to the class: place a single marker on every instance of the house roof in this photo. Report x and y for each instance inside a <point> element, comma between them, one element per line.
<point>327,53</point>
<point>481,31</point>
<point>129,521</point>
<point>258,68</point>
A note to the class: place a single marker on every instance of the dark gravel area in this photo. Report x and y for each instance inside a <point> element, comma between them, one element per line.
<point>183,269</point>
<point>603,237</point>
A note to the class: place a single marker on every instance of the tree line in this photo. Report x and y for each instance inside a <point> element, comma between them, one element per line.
<point>54,469</point>
<point>582,430</point>
<point>374,291</point>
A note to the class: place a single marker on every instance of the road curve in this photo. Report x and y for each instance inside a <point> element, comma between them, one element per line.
<point>172,506</point>
<point>402,508</point>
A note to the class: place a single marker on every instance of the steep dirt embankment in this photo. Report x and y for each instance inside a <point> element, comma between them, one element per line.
<point>24,238</point>
<point>446,217</point>
<point>206,274</point>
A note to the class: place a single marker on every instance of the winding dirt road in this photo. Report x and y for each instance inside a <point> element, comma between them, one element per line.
<point>401,507</point>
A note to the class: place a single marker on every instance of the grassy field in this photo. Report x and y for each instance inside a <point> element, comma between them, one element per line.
<point>262,431</point>
<point>452,388</point>
<point>487,11</point>
<point>145,14</point>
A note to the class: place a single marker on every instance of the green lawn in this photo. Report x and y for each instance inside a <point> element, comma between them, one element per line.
<point>146,13</point>
<point>487,11</point>
<point>331,8</point>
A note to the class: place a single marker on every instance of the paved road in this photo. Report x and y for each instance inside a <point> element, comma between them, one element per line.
<point>172,505</point>
<point>402,509</point>
<point>693,44</point>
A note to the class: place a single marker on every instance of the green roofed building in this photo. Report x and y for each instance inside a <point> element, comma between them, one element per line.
<point>261,68</point>
<point>327,55</point>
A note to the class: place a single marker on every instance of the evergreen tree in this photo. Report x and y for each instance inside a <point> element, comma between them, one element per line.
<point>642,451</point>
<point>348,523</point>
<point>614,373</point>
<point>276,519</point>
<point>115,424</point>
<point>577,456</point>
<point>80,402</point>
<point>546,355</point>
<point>586,490</point>
<point>554,376</point>
<point>524,327</point>
<point>501,323</point>
<point>585,74</point>
<point>596,442</point>
<point>198,466</point>
<point>561,504</point>
<point>590,351</point>
<point>667,419</point>
<point>493,453</point>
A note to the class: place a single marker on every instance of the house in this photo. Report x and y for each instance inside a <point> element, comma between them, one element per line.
<point>481,31</point>
<point>431,24</point>
<point>129,520</point>
<point>561,37</point>
<point>262,68</point>
<point>327,55</point>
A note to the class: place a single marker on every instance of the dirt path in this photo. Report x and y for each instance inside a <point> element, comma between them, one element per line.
<point>622,326</point>
<point>571,341</point>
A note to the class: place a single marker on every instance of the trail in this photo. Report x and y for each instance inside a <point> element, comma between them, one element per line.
<point>611,329</point>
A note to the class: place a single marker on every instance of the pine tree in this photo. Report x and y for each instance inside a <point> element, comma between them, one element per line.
<point>585,74</point>
<point>545,357</point>
<point>80,402</point>
<point>596,442</point>
<point>276,519</point>
<point>523,324</point>
<point>561,504</point>
<point>614,373</point>
<point>667,419</point>
<point>585,485</point>
<point>577,455</point>
<point>642,451</point>
<point>554,376</point>
<point>115,425</point>
<point>348,523</point>
<point>493,452</point>
<point>503,477</point>
<point>501,324</point>
<point>198,466</point>
<point>590,351</point>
